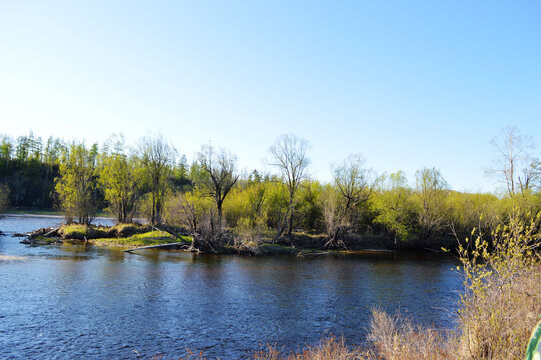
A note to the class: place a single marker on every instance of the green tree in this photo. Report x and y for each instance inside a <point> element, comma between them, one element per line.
<point>157,157</point>
<point>393,206</point>
<point>308,207</point>
<point>120,179</point>
<point>76,185</point>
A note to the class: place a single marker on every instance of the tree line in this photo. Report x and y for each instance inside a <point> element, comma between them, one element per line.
<point>218,204</point>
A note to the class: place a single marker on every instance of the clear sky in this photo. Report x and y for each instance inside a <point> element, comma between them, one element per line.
<point>407,83</point>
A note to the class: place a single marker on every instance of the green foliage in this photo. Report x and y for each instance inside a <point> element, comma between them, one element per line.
<point>309,207</point>
<point>217,178</point>
<point>75,231</point>
<point>502,300</point>
<point>145,239</point>
<point>247,211</point>
<point>28,168</point>
<point>120,179</point>
<point>141,181</point>
<point>76,184</point>
<point>393,206</point>
<point>156,157</point>
<point>277,205</point>
<point>465,211</point>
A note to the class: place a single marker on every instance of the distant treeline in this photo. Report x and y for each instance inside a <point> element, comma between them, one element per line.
<point>217,204</point>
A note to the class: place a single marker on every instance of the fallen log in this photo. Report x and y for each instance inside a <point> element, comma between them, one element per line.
<point>301,254</point>
<point>155,246</point>
<point>51,232</point>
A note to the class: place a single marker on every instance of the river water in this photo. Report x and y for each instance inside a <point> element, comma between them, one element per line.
<point>68,301</point>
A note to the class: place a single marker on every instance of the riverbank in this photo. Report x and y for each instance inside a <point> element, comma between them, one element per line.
<point>134,236</point>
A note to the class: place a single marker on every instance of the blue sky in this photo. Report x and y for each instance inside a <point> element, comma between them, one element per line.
<point>407,84</point>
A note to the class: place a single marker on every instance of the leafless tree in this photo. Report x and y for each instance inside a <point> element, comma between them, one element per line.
<point>430,186</point>
<point>157,157</point>
<point>219,168</point>
<point>354,183</point>
<point>513,163</point>
<point>289,156</point>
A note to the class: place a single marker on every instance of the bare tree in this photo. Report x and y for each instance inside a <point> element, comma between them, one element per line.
<point>219,168</point>
<point>157,157</point>
<point>513,163</point>
<point>289,156</point>
<point>354,183</point>
<point>430,186</point>
<point>198,215</point>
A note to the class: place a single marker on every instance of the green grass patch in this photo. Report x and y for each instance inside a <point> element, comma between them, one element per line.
<point>137,240</point>
<point>75,231</point>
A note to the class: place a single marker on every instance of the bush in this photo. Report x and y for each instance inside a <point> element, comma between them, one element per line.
<point>502,301</point>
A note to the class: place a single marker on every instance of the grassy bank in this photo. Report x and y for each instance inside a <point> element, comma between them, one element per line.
<point>144,239</point>
<point>119,236</point>
<point>137,235</point>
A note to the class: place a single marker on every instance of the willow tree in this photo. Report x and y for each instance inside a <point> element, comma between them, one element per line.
<point>76,184</point>
<point>157,157</point>
<point>289,155</point>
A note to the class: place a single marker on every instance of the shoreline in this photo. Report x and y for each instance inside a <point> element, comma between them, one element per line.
<point>51,216</point>
<point>130,237</point>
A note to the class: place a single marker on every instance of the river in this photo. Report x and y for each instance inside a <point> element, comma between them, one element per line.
<point>72,301</point>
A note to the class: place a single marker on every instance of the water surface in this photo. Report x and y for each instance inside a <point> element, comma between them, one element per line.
<point>75,301</point>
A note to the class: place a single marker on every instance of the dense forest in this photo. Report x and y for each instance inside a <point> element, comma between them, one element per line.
<point>212,200</point>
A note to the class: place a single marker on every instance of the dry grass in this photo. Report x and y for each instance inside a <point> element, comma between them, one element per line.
<point>328,348</point>
<point>190,355</point>
<point>396,337</point>
<point>497,323</point>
